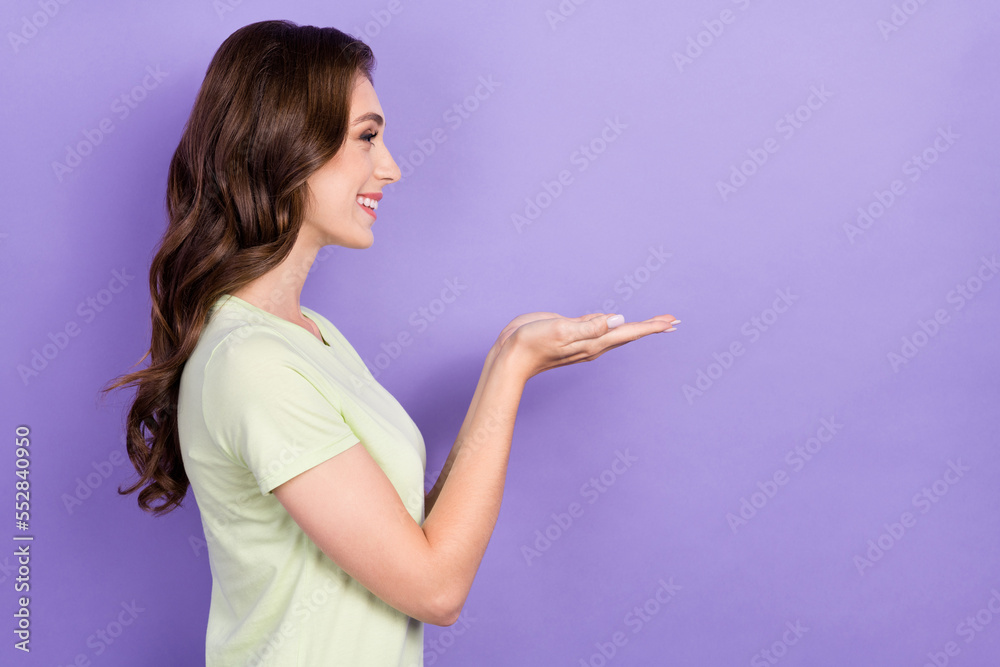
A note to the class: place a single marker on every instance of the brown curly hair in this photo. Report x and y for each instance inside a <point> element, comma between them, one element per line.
<point>272,109</point>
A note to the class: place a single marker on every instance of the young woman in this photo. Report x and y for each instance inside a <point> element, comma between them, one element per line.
<point>307,473</point>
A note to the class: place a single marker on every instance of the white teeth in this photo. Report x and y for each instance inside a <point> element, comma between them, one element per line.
<point>370,203</point>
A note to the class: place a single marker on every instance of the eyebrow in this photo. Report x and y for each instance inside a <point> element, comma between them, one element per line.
<point>371,115</point>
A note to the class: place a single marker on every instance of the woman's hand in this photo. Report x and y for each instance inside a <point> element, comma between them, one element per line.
<point>524,319</point>
<point>540,341</point>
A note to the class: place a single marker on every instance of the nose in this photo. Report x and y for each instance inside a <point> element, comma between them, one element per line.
<point>386,168</point>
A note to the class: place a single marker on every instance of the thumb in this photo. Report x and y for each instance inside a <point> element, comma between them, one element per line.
<point>596,325</point>
<point>615,321</point>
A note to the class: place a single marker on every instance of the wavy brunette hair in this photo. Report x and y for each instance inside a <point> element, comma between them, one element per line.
<point>273,108</point>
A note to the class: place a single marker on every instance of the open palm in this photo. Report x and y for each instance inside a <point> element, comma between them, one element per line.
<point>549,340</point>
<point>521,320</point>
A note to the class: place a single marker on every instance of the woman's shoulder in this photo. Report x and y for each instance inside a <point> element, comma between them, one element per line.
<point>233,337</point>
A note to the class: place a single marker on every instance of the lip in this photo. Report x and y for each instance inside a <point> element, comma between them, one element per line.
<point>377,196</point>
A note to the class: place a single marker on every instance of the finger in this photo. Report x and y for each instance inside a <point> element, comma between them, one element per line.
<point>601,326</point>
<point>597,328</point>
<point>630,331</point>
<point>594,337</point>
<point>669,320</point>
<point>665,318</point>
<point>615,321</point>
<point>587,317</point>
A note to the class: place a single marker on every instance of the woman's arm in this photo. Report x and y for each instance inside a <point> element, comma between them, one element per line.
<point>469,491</point>
<point>351,511</point>
<point>516,323</point>
<point>432,495</point>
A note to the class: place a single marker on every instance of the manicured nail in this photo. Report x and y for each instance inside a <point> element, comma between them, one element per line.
<point>616,321</point>
<point>666,330</point>
<point>675,322</point>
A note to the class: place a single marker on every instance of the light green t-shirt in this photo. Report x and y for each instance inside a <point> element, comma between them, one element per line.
<point>262,400</point>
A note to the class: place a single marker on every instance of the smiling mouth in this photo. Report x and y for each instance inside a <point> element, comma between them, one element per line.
<point>369,204</point>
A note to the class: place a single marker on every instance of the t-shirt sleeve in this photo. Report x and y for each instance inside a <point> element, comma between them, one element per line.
<point>268,409</point>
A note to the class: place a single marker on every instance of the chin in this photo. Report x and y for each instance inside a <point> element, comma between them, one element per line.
<point>359,242</point>
<point>363,243</point>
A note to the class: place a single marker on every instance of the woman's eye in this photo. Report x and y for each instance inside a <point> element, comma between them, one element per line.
<point>369,136</point>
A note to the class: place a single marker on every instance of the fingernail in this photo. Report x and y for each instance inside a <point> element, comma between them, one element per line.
<point>675,322</point>
<point>666,330</point>
<point>616,321</point>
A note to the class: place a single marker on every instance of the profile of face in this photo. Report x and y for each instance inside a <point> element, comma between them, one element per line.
<point>345,191</point>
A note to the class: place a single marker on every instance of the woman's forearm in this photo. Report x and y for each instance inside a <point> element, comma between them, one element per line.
<point>466,499</point>
<point>432,495</point>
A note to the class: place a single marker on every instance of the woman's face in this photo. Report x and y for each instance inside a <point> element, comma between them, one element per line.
<point>360,169</point>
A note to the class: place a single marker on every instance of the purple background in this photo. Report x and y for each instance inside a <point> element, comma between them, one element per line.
<point>859,298</point>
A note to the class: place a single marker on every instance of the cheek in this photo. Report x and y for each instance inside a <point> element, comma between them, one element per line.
<point>331,193</point>
<point>363,167</point>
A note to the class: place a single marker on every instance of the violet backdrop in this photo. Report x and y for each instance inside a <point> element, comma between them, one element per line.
<point>804,473</point>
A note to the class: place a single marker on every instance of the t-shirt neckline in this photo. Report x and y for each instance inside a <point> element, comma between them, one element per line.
<point>282,320</point>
